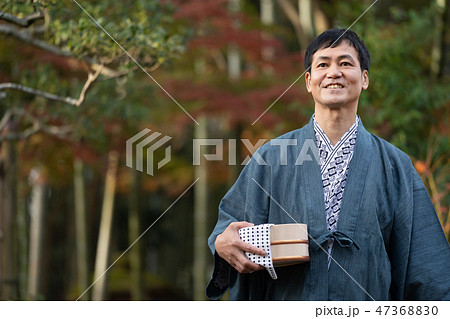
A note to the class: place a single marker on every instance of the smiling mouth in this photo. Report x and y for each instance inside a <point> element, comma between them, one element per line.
<point>334,86</point>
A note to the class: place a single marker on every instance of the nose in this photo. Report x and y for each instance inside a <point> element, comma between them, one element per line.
<point>334,71</point>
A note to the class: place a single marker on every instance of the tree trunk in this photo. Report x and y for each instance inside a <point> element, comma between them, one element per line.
<point>37,226</point>
<point>8,239</point>
<point>104,237</point>
<point>306,14</point>
<point>233,54</point>
<point>234,62</point>
<point>235,170</point>
<point>292,14</point>
<point>23,238</point>
<point>267,19</point>
<point>81,228</point>
<point>444,65</point>
<point>200,218</point>
<point>320,20</point>
<point>134,231</point>
<point>267,13</point>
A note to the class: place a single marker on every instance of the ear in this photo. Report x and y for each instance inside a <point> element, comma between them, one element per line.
<point>308,81</point>
<point>365,80</point>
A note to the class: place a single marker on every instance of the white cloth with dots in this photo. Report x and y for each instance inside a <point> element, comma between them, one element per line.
<point>259,236</point>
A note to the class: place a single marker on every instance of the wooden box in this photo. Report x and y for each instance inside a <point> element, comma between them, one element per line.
<point>289,244</point>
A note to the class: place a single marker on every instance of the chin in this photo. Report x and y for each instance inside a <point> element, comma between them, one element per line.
<point>334,106</point>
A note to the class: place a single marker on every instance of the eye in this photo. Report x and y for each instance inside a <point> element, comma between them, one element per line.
<point>346,64</point>
<point>321,65</point>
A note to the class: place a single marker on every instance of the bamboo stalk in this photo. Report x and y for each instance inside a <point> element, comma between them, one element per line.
<point>104,238</point>
<point>81,227</point>
<point>8,236</point>
<point>37,213</point>
<point>134,231</point>
<point>200,216</point>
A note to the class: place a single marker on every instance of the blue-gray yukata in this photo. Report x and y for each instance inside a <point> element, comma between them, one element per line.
<point>388,244</point>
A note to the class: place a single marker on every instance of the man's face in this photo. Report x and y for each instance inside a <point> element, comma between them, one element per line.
<point>335,79</point>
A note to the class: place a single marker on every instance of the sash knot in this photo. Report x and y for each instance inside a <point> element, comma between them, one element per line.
<point>342,239</point>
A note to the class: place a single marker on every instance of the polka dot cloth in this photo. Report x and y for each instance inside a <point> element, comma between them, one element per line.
<point>259,236</point>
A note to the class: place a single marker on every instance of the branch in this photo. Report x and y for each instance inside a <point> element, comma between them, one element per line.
<point>21,135</point>
<point>5,119</point>
<point>27,37</point>
<point>90,80</point>
<point>36,127</point>
<point>117,74</point>
<point>22,22</point>
<point>37,29</point>
<point>51,96</point>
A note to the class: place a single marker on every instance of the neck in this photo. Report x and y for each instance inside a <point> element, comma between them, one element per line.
<point>334,123</point>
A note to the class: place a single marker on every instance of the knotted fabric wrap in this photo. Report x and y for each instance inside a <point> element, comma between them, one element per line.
<point>342,239</point>
<point>259,236</point>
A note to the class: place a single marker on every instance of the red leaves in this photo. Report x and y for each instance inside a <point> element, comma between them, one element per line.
<point>243,107</point>
<point>197,10</point>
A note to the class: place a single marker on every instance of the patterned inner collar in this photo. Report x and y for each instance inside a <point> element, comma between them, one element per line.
<point>334,164</point>
<point>320,134</point>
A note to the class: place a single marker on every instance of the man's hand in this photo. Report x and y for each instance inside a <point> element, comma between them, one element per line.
<point>230,247</point>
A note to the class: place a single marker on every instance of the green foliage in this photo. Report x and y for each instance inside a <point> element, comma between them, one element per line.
<point>145,28</point>
<point>405,98</point>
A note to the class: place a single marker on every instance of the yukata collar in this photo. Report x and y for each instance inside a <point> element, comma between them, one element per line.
<point>318,131</point>
<point>351,205</point>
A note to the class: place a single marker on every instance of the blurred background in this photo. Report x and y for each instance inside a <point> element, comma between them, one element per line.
<point>70,98</point>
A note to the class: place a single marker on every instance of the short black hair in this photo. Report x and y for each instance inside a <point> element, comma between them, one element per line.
<point>333,38</point>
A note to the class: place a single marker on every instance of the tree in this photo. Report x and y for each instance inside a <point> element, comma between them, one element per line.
<point>57,50</point>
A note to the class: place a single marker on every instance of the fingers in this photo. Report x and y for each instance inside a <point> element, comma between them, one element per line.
<point>244,265</point>
<point>245,246</point>
<point>231,248</point>
<point>252,249</point>
<point>247,268</point>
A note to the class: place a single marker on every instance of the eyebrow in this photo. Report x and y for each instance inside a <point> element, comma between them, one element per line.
<point>341,57</point>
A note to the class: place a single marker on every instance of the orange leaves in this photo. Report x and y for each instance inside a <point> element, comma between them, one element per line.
<point>421,167</point>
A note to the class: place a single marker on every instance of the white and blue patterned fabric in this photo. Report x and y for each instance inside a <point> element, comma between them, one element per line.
<point>334,163</point>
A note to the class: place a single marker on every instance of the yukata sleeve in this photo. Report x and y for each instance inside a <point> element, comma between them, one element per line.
<point>427,277</point>
<point>247,200</point>
<point>422,253</point>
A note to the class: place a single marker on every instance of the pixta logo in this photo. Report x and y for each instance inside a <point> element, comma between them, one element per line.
<point>144,145</point>
<point>150,143</point>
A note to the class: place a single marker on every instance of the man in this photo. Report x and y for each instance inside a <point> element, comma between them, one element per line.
<point>374,234</point>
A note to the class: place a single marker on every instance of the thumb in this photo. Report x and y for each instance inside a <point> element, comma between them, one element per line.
<point>239,225</point>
